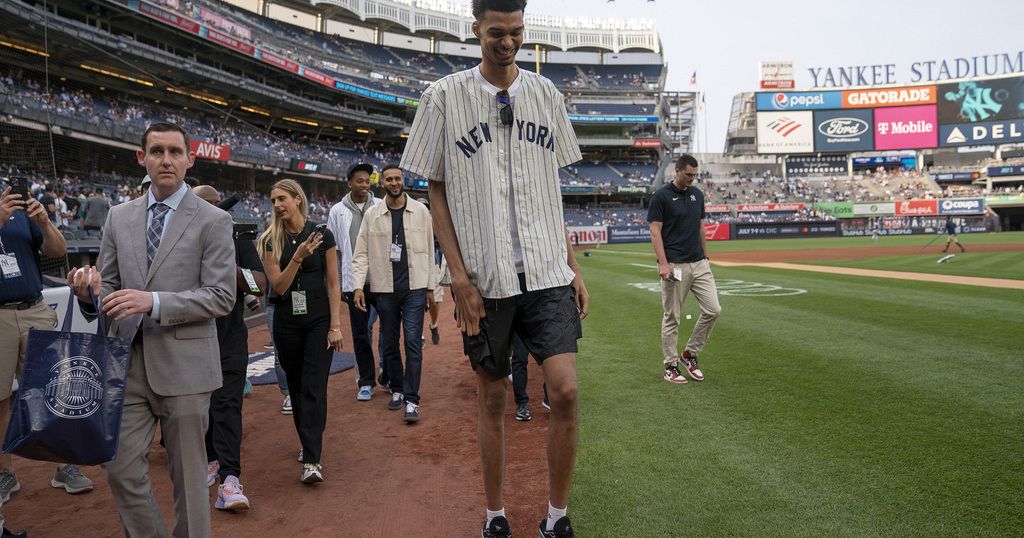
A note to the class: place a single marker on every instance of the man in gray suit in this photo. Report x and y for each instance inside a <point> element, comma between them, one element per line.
<point>166,272</point>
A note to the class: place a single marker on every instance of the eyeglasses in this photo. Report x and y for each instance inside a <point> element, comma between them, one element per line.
<point>505,113</point>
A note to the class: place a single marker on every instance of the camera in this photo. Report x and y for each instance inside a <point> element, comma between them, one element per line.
<point>244,232</point>
<point>252,302</point>
<point>320,229</point>
<point>19,185</point>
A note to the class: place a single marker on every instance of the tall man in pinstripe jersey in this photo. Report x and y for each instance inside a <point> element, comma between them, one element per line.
<point>491,140</point>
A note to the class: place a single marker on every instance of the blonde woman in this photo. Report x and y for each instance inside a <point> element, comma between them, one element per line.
<point>300,261</point>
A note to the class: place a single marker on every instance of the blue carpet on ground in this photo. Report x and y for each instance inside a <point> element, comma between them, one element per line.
<point>261,366</point>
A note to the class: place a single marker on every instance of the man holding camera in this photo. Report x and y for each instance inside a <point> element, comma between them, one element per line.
<point>224,436</point>
<point>395,252</point>
<point>25,229</point>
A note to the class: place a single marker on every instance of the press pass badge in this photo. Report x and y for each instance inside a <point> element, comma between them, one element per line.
<point>9,266</point>
<point>247,274</point>
<point>396,252</point>
<point>299,303</point>
<point>677,274</point>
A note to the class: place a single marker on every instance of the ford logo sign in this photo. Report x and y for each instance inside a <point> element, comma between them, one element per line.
<point>843,127</point>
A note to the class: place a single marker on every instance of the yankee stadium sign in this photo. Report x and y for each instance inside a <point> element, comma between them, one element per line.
<point>923,71</point>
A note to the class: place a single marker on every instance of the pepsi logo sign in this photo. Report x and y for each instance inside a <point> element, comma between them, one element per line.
<point>783,101</point>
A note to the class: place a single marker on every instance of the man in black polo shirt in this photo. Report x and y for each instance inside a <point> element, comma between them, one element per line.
<point>676,215</point>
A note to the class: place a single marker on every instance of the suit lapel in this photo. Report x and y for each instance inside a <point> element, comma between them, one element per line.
<point>138,230</point>
<point>183,217</point>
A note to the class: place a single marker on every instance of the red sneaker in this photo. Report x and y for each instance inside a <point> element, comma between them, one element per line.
<point>690,363</point>
<point>673,375</point>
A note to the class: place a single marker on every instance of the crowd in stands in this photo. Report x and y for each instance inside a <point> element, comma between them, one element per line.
<point>388,69</point>
<point>110,110</point>
<point>598,216</point>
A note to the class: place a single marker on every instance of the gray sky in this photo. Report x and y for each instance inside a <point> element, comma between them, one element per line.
<point>723,40</point>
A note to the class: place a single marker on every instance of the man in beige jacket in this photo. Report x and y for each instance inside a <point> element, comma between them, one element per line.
<point>395,252</point>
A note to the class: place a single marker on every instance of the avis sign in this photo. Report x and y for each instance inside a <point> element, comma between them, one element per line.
<point>210,151</point>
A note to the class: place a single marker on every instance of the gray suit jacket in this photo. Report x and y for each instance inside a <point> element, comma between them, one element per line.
<point>193,273</point>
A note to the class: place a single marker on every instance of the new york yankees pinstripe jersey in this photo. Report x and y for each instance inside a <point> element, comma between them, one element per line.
<point>457,138</point>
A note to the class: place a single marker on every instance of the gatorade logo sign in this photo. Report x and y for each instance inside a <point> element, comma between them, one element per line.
<point>210,151</point>
<point>920,95</point>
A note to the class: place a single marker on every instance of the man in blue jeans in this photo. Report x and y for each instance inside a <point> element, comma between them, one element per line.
<point>395,252</point>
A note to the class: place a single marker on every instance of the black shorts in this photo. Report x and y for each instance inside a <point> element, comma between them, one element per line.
<point>547,321</point>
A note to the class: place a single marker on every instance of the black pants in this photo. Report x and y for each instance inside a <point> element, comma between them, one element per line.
<point>520,357</point>
<point>301,342</point>
<point>224,436</point>
<point>361,344</point>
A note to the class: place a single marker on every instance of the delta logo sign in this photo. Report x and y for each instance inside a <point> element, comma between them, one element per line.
<point>989,132</point>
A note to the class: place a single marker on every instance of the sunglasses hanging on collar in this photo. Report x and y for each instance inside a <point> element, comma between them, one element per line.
<point>505,113</point>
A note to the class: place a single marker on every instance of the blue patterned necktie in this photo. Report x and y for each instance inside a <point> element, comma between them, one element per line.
<point>156,229</point>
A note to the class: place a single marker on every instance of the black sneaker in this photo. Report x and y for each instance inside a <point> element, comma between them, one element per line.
<point>523,412</point>
<point>563,529</point>
<point>412,413</point>
<point>435,335</point>
<point>19,534</point>
<point>545,403</point>
<point>497,528</point>
<point>396,402</point>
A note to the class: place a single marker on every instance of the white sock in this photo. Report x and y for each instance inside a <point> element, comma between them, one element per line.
<point>554,514</point>
<point>491,514</point>
<point>433,326</point>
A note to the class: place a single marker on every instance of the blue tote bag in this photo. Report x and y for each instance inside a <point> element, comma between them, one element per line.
<point>70,396</point>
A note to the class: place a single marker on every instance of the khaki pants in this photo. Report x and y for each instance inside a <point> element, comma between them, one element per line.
<point>697,277</point>
<point>14,326</point>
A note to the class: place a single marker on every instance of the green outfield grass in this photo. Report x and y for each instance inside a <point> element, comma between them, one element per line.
<point>852,242</point>
<point>863,407</point>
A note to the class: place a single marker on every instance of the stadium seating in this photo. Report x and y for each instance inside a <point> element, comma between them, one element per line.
<point>612,109</point>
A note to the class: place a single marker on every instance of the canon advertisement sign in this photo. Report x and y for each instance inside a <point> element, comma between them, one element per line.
<point>962,206</point>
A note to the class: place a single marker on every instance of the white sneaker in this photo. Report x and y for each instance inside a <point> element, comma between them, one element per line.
<point>312,473</point>
<point>212,468</point>
<point>286,406</point>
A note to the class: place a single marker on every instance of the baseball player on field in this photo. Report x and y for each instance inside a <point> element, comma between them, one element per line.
<point>491,140</point>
